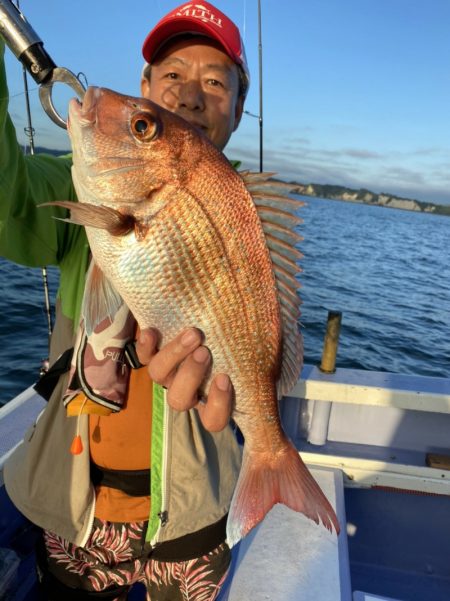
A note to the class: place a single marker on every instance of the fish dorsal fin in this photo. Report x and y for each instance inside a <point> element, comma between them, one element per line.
<point>100,301</point>
<point>278,213</point>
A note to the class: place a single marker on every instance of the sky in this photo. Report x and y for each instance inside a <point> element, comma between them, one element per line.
<point>355,92</point>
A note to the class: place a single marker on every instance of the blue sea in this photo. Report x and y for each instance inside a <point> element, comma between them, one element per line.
<point>386,270</point>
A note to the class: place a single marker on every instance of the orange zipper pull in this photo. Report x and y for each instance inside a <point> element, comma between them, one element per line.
<point>77,445</point>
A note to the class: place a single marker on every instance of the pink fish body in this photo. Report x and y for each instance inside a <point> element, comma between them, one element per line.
<point>184,240</point>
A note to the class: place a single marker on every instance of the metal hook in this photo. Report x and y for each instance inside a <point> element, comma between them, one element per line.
<point>61,75</point>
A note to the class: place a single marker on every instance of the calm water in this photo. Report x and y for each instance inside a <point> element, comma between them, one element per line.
<point>387,270</point>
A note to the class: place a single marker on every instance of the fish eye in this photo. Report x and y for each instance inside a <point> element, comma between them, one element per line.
<point>140,125</point>
<point>144,127</point>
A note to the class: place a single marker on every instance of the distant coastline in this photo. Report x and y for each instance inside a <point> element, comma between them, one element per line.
<point>367,197</point>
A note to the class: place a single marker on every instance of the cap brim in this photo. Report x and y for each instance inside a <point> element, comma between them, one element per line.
<point>161,34</point>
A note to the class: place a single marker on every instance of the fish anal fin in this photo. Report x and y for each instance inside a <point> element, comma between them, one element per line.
<point>98,216</point>
<point>265,480</point>
<point>100,301</point>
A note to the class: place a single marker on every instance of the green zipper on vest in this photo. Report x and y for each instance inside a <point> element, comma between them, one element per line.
<point>159,458</point>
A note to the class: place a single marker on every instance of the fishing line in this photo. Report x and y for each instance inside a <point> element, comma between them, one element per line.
<point>81,76</point>
<point>260,70</point>
<point>10,96</point>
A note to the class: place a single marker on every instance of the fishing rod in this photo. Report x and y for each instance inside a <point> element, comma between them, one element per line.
<point>29,131</point>
<point>260,116</point>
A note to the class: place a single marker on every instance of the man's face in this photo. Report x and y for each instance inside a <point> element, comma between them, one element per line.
<point>195,79</point>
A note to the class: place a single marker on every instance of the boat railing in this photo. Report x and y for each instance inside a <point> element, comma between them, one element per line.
<point>355,419</point>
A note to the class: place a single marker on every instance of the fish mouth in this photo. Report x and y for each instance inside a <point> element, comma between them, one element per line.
<point>85,113</point>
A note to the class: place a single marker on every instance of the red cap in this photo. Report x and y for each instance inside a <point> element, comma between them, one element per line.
<point>202,18</point>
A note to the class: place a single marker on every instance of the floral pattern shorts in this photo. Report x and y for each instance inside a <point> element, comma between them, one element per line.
<point>117,555</point>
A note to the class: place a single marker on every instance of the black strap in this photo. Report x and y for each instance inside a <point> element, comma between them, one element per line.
<point>47,383</point>
<point>193,545</point>
<point>135,483</point>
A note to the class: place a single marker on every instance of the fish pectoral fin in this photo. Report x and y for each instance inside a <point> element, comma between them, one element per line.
<point>265,480</point>
<point>101,299</point>
<point>101,217</point>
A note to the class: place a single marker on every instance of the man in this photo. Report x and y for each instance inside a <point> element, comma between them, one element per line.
<point>98,540</point>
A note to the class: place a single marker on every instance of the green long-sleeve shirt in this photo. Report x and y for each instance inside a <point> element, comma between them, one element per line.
<point>29,235</point>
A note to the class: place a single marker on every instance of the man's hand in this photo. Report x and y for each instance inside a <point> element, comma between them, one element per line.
<point>181,366</point>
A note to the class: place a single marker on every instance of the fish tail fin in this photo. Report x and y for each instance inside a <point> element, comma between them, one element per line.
<point>265,481</point>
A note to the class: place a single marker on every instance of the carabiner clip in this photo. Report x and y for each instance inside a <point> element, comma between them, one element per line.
<point>61,75</point>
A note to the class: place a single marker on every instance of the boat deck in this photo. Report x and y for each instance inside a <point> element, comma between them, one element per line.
<point>366,436</point>
<point>288,557</point>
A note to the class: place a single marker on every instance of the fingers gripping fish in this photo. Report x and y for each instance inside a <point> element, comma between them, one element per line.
<point>183,239</point>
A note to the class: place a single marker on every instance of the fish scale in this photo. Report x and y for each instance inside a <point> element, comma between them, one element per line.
<point>204,273</point>
<point>183,241</point>
<point>186,267</point>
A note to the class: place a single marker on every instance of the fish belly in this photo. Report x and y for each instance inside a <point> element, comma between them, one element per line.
<point>192,269</point>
